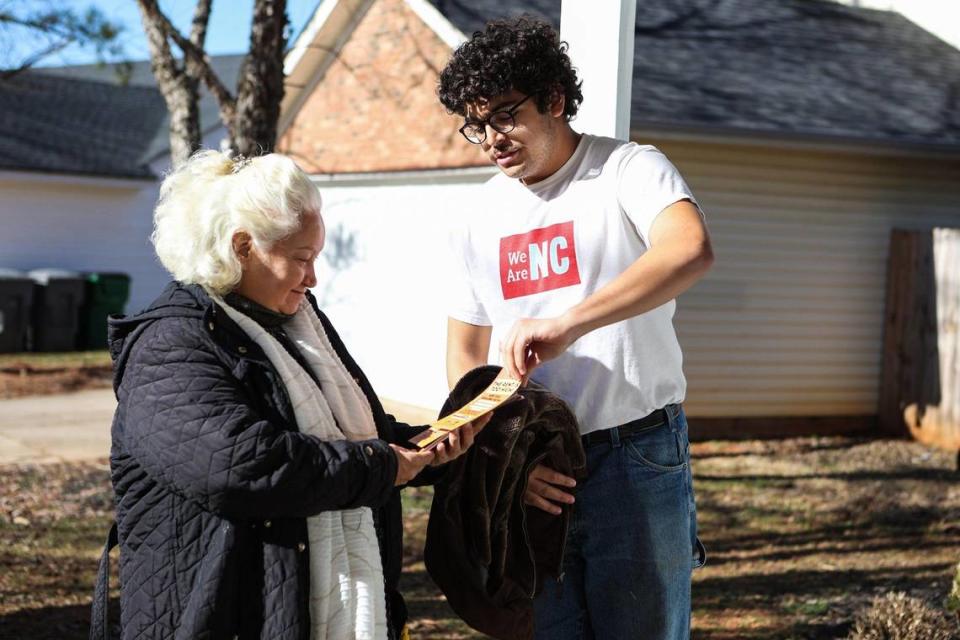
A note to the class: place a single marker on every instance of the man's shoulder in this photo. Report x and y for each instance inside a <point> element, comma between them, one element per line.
<point>615,150</point>
<point>634,162</point>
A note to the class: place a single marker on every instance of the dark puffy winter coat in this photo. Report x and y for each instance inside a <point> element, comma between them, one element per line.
<point>214,482</point>
<point>486,549</point>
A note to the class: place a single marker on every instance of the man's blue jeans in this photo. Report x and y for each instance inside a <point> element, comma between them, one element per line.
<point>632,543</point>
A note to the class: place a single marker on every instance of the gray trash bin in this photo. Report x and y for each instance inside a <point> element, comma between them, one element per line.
<point>57,298</point>
<point>16,300</point>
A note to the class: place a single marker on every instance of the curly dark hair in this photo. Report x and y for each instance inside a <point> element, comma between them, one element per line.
<point>525,54</point>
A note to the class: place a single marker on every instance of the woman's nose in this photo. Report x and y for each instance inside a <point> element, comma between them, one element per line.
<point>310,280</point>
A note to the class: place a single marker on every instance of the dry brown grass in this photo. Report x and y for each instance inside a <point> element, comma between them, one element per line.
<point>802,535</point>
<point>897,616</point>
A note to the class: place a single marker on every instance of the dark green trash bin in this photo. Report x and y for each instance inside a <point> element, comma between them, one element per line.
<point>107,294</point>
<point>16,300</point>
<point>57,299</point>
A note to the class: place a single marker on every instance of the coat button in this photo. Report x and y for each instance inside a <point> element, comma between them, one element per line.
<point>210,325</point>
<point>368,450</point>
<point>301,547</point>
<point>267,524</point>
<point>242,349</point>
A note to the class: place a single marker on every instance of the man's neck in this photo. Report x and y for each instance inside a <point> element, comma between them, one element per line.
<point>567,142</point>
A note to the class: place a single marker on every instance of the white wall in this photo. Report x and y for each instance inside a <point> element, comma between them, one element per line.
<point>83,224</point>
<point>388,304</point>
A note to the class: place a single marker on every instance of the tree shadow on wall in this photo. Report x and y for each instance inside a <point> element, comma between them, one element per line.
<point>341,252</point>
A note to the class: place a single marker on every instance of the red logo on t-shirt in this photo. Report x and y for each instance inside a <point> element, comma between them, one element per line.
<point>539,260</point>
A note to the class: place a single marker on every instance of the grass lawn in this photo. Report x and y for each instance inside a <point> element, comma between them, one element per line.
<point>39,361</point>
<point>801,534</point>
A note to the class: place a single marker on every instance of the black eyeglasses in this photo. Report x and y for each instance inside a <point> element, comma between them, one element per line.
<point>501,121</point>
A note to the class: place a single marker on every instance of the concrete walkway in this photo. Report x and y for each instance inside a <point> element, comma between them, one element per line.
<point>76,426</point>
<point>56,428</point>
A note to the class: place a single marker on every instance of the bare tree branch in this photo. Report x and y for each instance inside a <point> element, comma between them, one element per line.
<point>251,115</point>
<point>151,13</point>
<point>64,25</point>
<point>34,58</point>
<point>198,35</point>
<point>60,27</point>
<point>162,61</point>
<point>198,28</point>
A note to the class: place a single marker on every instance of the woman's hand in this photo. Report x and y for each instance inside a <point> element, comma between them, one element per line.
<point>459,441</point>
<point>410,463</point>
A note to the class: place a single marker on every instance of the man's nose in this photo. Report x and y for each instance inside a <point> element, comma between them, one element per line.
<point>494,137</point>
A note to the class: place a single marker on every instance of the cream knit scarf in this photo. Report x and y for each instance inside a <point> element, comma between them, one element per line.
<point>346,576</point>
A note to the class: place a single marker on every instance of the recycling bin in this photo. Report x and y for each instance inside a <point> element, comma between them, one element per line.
<point>106,294</point>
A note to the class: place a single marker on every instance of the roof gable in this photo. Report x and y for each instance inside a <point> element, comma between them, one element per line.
<point>374,105</point>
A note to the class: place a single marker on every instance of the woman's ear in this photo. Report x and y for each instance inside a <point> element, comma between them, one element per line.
<point>242,245</point>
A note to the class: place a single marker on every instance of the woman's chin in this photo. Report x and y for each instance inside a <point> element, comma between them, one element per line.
<point>292,304</point>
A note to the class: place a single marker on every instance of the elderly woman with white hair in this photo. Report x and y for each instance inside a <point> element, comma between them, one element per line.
<point>256,474</point>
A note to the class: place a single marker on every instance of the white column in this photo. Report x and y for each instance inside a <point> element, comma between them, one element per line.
<point>600,33</point>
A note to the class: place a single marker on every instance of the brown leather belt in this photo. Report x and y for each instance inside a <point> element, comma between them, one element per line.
<point>632,428</point>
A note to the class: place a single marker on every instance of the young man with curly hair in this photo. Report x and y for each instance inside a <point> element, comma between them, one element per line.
<point>571,262</point>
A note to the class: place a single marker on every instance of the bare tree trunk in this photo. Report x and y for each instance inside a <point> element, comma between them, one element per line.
<point>250,118</point>
<point>185,135</point>
<point>260,92</point>
<point>168,77</point>
<point>191,82</point>
<point>179,83</point>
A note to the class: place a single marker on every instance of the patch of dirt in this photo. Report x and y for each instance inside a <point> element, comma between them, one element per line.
<point>54,519</point>
<point>804,533</point>
<point>801,535</point>
<point>19,380</point>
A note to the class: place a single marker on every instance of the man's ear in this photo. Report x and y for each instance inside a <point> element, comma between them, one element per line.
<point>242,245</point>
<point>558,102</point>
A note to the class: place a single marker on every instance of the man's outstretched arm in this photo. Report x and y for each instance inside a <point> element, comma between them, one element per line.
<point>679,255</point>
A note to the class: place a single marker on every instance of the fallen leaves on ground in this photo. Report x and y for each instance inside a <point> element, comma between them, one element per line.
<point>801,534</point>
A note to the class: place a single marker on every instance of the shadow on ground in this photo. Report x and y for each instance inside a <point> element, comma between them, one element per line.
<point>55,623</point>
<point>801,535</point>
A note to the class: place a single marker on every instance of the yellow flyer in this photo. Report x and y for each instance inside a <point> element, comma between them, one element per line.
<point>492,397</point>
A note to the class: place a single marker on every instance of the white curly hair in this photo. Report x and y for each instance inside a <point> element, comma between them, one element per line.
<point>211,197</point>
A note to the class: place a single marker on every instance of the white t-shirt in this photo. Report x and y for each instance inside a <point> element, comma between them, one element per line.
<point>535,251</point>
